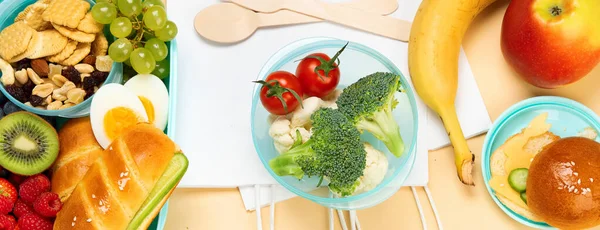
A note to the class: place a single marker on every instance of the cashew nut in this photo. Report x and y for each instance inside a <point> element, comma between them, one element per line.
<point>59,80</point>
<point>75,96</point>
<point>48,100</point>
<point>8,73</point>
<point>67,105</point>
<point>43,90</point>
<point>35,78</point>
<point>84,75</point>
<point>21,76</point>
<point>54,105</point>
<point>84,68</point>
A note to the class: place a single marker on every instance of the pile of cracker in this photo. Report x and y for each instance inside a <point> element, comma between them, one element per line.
<point>60,31</point>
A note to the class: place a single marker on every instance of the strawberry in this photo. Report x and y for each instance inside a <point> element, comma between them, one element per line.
<point>7,222</point>
<point>7,191</point>
<point>33,187</point>
<point>48,204</point>
<point>32,221</point>
<point>5,206</point>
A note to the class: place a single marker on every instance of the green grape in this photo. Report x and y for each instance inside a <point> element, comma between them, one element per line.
<point>104,12</point>
<point>148,3</point>
<point>109,1</point>
<point>142,61</point>
<point>130,7</point>
<point>121,27</point>
<point>162,69</point>
<point>167,33</point>
<point>158,49</point>
<point>155,18</point>
<point>120,50</point>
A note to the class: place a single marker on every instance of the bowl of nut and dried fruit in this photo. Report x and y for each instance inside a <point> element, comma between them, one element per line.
<point>54,56</point>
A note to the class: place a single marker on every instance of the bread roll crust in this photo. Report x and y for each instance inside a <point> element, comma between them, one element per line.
<point>78,151</point>
<point>119,181</point>
<point>561,187</point>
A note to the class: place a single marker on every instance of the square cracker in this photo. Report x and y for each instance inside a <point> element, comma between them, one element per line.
<point>74,34</point>
<point>82,50</point>
<point>32,16</point>
<point>66,13</point>
<point>31,47</point>
<point>14,40</point>
<point>51,43</point>
<point>65,53</point>
<point>89,25</point>
<point>100,45</point>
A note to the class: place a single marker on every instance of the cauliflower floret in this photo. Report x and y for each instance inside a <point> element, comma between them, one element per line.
<point>301,116</point>
<point>284,136</point>
<point>329,100</point>
<point>375,169</point>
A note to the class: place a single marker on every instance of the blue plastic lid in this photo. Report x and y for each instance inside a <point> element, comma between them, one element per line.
<point>567,117</point>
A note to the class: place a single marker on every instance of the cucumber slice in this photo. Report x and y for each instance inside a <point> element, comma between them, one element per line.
<point>518,179</point>
<point>524,197</point>
<point>169,179</point>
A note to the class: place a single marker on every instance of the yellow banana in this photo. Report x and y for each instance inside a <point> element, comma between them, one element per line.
<point>433,49</point>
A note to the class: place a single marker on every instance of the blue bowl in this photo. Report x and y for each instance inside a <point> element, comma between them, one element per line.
<point>567,117</point>
<point>8,11</point>
<point>357,61</point>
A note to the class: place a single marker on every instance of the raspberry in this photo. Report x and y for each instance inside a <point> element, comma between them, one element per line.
<point>33,187</point>
<point>21,209</point>
<point>7,222</point>
<point>48,204</point>
<point>32,221</point>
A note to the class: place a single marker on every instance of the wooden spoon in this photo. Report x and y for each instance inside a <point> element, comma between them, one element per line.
<point>240,23</point>
<point>366,21</point>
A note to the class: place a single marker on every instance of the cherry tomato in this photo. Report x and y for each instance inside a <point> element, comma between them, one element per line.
<point>319,74</point>
<point>281,92</point>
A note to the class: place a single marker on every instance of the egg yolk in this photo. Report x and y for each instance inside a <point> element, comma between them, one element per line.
<point>118,119</point>
<point>149,108</point>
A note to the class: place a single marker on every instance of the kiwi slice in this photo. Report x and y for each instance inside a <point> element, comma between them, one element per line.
<point>28,144</point>
<point>169,179</point>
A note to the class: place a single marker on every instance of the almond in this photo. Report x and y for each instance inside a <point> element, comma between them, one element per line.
<point>40,66</point>
<point>90,60</point>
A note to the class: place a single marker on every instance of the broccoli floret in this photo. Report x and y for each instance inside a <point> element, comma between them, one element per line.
<point>369,103</point>
<point>334,151</point>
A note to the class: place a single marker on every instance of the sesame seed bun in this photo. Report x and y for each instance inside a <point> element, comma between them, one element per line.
<point>561,186</point>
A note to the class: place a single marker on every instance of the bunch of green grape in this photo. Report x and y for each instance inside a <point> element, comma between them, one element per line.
<point>141,29</point>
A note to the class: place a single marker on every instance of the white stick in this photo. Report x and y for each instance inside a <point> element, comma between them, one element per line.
<point>435,212</point>
<point>352,220</point>
<point>257,207</point>
<point>272,207</point>
<point>423,220</point>
<point>342,220</point>
<point>357,222</point>
<point>330,218</point>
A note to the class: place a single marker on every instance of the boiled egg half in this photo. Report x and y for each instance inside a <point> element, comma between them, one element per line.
<point>154,96</point>
<point>114,109</point>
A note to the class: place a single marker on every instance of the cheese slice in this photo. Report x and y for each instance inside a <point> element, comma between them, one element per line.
<point>518,157</point>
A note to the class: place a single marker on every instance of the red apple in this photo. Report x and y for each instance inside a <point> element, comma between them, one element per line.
<point>551,43</point>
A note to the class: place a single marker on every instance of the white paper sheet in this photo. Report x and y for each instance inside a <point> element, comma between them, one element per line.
<point>215,90</point>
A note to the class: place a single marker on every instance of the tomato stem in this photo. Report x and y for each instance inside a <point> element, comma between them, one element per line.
<point>276,90</point>
<point>330,65</point>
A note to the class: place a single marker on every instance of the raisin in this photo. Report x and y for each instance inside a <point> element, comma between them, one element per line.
<point>89,83</point>
<point>72,75</point>
<point>36,100</point>
<point>88,93</point>
<point>23,64</point>
<point>28,88</point>
<point>99,77</point>
<point>17,92</point>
